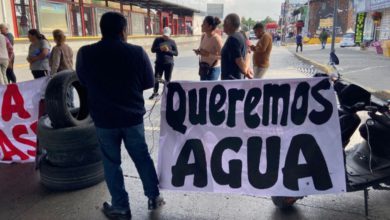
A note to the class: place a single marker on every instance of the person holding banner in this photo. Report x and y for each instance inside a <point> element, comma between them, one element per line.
<point>210,50</point>
<point>115,75</point>
<point>234,51</point>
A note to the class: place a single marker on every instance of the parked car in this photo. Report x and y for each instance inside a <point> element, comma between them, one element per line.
<point>252,35</point>
<point>348,40</point>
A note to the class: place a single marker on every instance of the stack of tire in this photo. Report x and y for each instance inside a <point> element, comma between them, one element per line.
<point>67,137</point>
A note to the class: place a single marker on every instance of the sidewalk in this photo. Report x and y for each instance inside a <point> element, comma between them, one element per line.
<point>364,68</point>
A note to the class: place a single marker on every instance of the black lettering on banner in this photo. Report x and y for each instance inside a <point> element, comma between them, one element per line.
<point>298,115</point>
<point>197,107</point>
<point>233,178</point>
<point>276,92</point>
<point>251,101</point>
<point>270,177</point>
<point>176,118</point>
<point>316,166</point>
<point>216,116</point>
<point>198,168</point>
<point>234,96</point>
<point>316,117</point>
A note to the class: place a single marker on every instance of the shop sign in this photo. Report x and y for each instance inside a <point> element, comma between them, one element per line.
<point>326,23</point>
<point>359,28</point>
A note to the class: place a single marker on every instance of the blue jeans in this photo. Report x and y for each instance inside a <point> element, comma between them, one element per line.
<point>213,75</point>
<point>134,140</point>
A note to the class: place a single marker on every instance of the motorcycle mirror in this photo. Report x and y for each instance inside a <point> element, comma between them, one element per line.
<point>334,59</point>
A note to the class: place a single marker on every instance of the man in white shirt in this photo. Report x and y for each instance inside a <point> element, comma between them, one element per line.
<point>4,58</point>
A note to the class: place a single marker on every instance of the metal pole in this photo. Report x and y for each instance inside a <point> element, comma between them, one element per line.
<point>4,12</point>
<point>335,13</point>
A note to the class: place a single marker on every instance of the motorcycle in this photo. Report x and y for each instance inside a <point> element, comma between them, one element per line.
<point>367,165</point>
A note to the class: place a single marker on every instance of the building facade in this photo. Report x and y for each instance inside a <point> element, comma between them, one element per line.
<point>80,18</point>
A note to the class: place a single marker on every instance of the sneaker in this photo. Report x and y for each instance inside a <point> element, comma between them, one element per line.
<point>155,203</point>
<point>117,214</point>
<point>154,95</point>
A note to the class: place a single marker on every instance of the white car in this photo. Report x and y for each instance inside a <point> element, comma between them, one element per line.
<point>348,40</point>
<point>252,35</point>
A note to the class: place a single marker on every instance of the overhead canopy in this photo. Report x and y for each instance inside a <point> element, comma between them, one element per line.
<point>161,5</point>
<point>271,26</point>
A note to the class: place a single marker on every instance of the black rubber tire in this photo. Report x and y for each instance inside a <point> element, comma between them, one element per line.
<point>72,178</point>
<point>82,137</point>
<point>284,202</point>
<point>56,101</point>
<point>74,158</point>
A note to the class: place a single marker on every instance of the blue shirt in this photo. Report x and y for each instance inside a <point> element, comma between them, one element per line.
<point>234,48</point>
<point>299,39</point>
<point>115,74</point>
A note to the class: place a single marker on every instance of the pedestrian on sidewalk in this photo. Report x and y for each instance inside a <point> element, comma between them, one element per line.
<point>61,57</point>
<point>11,77</point>
<point>261,51</point>
<point>115,75</point>
<point>165,48</point>
<point>210,50</point>
<point>278,40</point>
<point>324,38</point>
<point>6,52</point>
<point>38,54</point>
<point>234,51</point>
<point>299,41</point>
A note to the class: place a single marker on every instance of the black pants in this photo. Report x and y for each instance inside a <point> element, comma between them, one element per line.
<point>159,71</point>
<point>11,75</point>
<point>299,45</point>
<point>39,73</point>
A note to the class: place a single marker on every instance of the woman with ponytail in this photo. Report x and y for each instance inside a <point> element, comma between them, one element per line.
<point>38,54</point>
<point>210,50</point>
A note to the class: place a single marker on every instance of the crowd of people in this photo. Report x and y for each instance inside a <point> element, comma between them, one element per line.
<point>42,58</point>
<point>115,74</point>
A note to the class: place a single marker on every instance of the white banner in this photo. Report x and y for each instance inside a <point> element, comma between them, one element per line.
<point>258,137</point>
<point>18,121</point>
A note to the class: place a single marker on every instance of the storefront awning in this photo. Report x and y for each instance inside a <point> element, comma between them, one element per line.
<point>161,5</point>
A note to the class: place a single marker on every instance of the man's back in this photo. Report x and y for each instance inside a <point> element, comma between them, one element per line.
<point>115,73</point>
<point>234,48</point>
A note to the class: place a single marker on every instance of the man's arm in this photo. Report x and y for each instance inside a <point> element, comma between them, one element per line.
<point>147,72</point>
<point>262,45</point>
<point>80,67</point>
<point>155,46</point>
<point>238,59</point>
<point>174,51</point>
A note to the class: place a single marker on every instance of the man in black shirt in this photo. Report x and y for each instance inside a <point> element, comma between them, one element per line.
<point>165,48</point>
<point>234,51</point>
<point>115,75</point>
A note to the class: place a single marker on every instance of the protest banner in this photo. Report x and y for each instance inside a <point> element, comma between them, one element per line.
<point>258,137</point>
<point>18,121</point>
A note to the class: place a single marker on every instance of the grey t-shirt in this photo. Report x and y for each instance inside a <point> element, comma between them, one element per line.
<point>35,50</point>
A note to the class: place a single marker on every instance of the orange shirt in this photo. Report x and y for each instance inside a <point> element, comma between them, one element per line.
<point>263,51</point>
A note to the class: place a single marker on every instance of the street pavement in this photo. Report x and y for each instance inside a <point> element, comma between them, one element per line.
<point>365,68</point>
<point>22,196</point>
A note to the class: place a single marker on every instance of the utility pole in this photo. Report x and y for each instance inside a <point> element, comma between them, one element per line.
<point>335,13</point>
<point>286,3</point>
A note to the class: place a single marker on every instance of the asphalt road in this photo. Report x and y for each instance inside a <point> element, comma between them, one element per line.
<point>22,196</point>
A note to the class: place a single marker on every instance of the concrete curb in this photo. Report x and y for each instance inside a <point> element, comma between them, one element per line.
<point>381,94</point>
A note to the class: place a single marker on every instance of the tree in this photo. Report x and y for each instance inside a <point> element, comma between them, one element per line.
<point>247,24</point>
<point>267,20</point>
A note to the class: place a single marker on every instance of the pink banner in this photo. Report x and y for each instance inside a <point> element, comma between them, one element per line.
<point>19,106</point>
